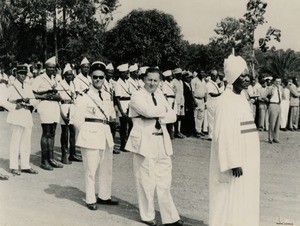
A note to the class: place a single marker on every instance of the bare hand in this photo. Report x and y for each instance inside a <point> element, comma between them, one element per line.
<point>237,172</point>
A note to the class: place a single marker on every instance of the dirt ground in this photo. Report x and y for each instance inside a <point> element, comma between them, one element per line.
<point>57,197</point>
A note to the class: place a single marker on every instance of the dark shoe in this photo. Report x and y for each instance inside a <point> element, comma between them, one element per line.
<point>179,135</point>
<point>123,150</point>
<point>270,142</point>
<point>107,202</point>
<point>3,177</point>
<point>177,223</point>
<point>64,159</point>
<point>153,222</point>
<point>92,206</point>
<point>261,129</point>
<point>116,152</point>
<point>46,166</point>
<point>30,171</point>
<point>75,158</point>
<point>55,164</point>
<point>276,141</point>
<point>16,172</point>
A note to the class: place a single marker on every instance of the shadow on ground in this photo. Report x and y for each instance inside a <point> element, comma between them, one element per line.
<point>124,209</point>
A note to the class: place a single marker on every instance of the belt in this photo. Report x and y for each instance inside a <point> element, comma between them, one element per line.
<point>27,107</point>
<point>97,120</point>
<point>67,101</point>
<point>200,98</point>
<point>157,134</point>
<point>124,98</point>
<point>171,96</point>
<point>274,102</point>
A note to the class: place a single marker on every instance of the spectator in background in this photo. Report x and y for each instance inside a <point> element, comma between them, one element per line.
<point>199,92</point>
<point>179,98</point>
<point>263,102</point>
<point>285,105</point>
<point>252,91</point>
<point>188,121</point>
<point>275,98</point>
<point>294,104</point>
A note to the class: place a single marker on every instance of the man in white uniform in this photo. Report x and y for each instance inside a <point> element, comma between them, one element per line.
<point>20,120</point>
<point>150,142</point>
<point>67,93</point>
<point>213,92</point>
<point>91,118</point>
<point>134,84</point>
<point>83,81</point>
<point>45,88</point>
<point>235,154</point>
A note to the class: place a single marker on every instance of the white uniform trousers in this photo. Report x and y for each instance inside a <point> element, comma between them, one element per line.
<point>20,144</point>
<point>199,114</point>
<point>92,159</point>
<point>155,173</point>
<point>210,119</point>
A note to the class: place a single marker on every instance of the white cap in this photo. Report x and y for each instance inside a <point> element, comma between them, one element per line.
<point>110,67</point>
<point>234,67</point>
<point>177,71</point>
<point>269,78</point>
<point>167,73</point>
<point>85,61</point>
<point>195,73</point>
<point>67,68</point>
<point>143,70</point>
<point>123,67</point>
<point>51,61</point>
<point>133,67</point>
<point>214,72</point>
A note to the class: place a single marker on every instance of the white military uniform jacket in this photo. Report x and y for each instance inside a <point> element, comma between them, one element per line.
<point>82,83</point>
<point>143,111</point>
<point>93,135</point>
<point>49,110</point>
<point>122,91</point>
<point>67,93</point>
<point>20,117</point>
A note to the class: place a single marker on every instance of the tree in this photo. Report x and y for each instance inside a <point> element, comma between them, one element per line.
<point>148,37</point>
<point>282,64</point>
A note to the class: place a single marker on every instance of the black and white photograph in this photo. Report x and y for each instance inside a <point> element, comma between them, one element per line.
<point>149,112</point>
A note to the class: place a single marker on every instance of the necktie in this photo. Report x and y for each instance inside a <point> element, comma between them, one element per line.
<point>100,95</point>
<point>279,99</point>
<point>157,125</point>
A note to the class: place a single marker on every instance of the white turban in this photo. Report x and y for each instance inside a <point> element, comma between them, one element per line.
<point>234,67</point>
<point>51,61</point>
<point>133,68</point>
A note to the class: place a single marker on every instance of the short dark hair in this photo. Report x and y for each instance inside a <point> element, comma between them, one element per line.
<point>153,70</point>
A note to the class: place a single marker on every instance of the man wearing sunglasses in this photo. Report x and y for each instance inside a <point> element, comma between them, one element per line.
<point>93,113</point>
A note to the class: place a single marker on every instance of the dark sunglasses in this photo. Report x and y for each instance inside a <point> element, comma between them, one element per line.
<point>98,77</point>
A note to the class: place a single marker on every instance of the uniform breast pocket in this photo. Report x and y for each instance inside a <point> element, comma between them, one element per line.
<point>135,137</point>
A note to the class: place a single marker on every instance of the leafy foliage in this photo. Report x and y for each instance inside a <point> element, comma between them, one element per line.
<point>148,37</point>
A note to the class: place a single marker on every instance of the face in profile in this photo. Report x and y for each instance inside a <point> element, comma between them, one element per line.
<point>151,81</point>
<point>98,78</point>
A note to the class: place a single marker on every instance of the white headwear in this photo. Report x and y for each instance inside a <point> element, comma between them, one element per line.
<point>234,67</point>
<point>167,73</point>
<point>110,67</point>
<point>177,71</point>
<point>51,61</point>
<point>133,67</point>
<point>85,61</point>
<point>269,78</point>
<point>123,67</point>
<point>143,70</point>
<point>67,68</point>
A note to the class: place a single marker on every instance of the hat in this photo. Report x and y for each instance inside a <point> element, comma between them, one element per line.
<point>195,74</point>
<point>177,71</point>
<point>133,67</point>
<point>269,78</point>
<point>51,61</point>
<point>110,67</point>
<point>123,67</point>
<point>98,65</point>
<point>85,61</point>
<point>22,68</point>
<point>187,74</point>
<point>234,67</point>
<point>167,73</point>
<point>214,72</point>
<point>143,70</point>
<point>67,68</point>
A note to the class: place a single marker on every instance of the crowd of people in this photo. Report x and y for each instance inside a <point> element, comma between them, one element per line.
<point>147,107</point>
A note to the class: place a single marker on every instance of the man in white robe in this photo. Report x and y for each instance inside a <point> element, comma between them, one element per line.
<point>235,154</point>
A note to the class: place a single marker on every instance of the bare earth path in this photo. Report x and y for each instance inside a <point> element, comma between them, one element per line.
<point>57,197</point>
